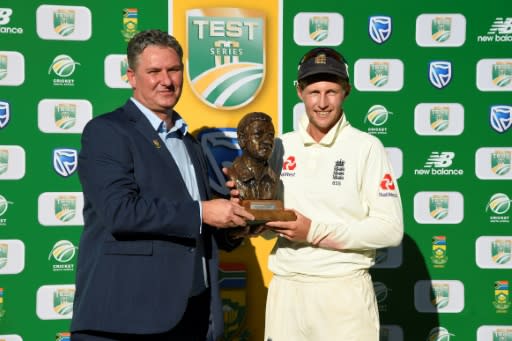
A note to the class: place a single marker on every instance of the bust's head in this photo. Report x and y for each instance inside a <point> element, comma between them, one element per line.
<point>256,135</point>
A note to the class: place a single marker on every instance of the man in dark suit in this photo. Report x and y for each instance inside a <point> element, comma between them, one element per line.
<point>147,264</point>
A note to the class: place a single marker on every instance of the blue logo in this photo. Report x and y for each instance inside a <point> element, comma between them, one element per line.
<point>221,147</point>
<point>440,73</point>
<point>65,161</point>
<point>500,118</point>
<point>379,28</point>
<point>4,113</point>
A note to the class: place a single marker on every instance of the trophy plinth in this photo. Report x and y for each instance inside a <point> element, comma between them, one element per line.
<point>267,210</point>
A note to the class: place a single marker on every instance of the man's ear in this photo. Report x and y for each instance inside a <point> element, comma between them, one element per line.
<point>130,73</point>
<point>348,88</point>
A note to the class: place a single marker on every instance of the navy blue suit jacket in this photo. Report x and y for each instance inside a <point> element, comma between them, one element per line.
<point>136,253</point>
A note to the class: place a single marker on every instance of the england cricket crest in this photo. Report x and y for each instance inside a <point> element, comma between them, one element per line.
<point>318,28</point>
<point>500,162</point>
<point>64,21</point>
<point>439,118</point>
<point>232,283</point>
<point>226,55</point>
<point>441,28</point>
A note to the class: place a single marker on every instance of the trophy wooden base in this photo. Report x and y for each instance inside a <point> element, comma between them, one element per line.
<point>267,210</point>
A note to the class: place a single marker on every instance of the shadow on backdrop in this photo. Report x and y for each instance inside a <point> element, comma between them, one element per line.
<point>394,288</point>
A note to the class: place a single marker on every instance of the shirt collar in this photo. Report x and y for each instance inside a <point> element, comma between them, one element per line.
<point>329,138</point>
<point>158,124</point>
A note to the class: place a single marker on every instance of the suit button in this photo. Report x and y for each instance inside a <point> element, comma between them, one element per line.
<point>191,249</point>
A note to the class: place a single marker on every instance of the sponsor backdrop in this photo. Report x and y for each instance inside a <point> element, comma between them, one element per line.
<point>432,81</point>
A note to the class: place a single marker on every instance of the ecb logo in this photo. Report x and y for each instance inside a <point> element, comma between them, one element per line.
<point>440,73</point>
<point>226,55</point>
<point>379,28</point>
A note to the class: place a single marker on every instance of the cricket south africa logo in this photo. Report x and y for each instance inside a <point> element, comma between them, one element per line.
<point>226,55</point>
<point>64,21</point>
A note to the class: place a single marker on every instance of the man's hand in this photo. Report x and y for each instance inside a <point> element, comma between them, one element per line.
<point>223,213</point>
<point>234,194</point>
<point>292,230</point>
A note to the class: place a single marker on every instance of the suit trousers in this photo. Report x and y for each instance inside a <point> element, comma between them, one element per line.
<point>193,326</point>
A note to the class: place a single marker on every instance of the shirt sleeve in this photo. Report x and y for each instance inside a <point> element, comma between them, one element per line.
<point>383,225</point>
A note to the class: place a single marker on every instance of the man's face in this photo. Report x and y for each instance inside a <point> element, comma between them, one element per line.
<point>324,102</point>
<point>259,139</point>
<point>157,80</point>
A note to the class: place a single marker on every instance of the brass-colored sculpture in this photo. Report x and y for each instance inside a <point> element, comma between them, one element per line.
<point>255,180</point>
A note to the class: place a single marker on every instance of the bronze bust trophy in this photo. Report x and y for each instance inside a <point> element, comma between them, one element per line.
<point>255,180</point>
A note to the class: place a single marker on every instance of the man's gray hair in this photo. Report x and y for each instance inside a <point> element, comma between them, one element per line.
<point>143,39</point>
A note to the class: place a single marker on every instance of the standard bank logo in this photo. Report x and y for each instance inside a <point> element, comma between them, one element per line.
<point>5,113</point>
<point>55,302</point>
<point>63,22</point>
<point>494,252</point>
<point>440,73</point>
<point>379,75</point>
<point>500,31</point>
<point>436,119</point>
<point>5,18</point>
<point>226,55</point>
<point>65,161</point>
<point>494,333</point>
<point>12,162</point>
<point>379,28</point>
<point>12,68</point>
<point>438,207</point>
<point>318,28</point>
<point>500,118</point>
<point>12,256</point>
<point>440,30</point>
<point>66,116</point>
<point>221,147</point>
<point>439,296</point>
<point>493,163</point>
<point>60,208</point>
<point>494,74</point>
<point>116,66</point>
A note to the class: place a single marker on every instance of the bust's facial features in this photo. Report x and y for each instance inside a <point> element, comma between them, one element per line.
<point>259,140</point>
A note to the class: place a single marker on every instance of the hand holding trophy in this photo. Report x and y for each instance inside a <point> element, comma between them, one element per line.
<point>255,180</point>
